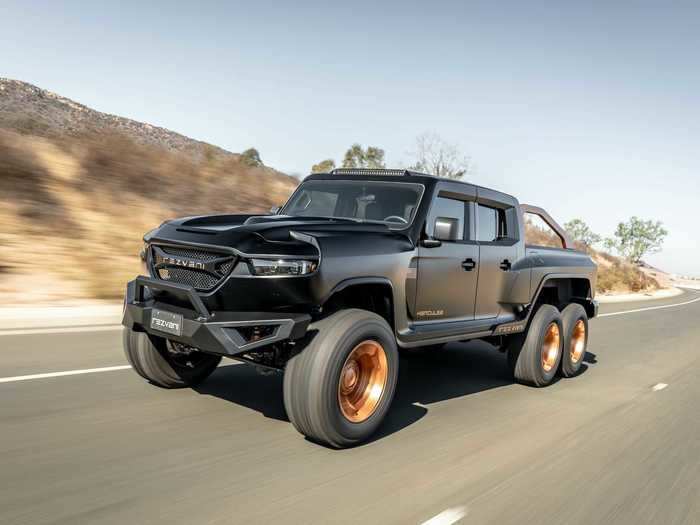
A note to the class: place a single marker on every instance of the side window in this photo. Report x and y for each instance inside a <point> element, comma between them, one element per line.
<point>492,224</point>
<point>539,233</point>
<point>447,219</point>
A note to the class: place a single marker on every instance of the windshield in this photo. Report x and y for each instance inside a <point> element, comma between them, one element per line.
<point>392,203</point>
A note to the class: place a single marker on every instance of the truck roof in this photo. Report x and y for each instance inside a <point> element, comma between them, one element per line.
<point>407,174</point>
<point>383,173</point>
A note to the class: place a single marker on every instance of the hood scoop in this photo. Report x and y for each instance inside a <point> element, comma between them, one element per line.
<point>212,223</point>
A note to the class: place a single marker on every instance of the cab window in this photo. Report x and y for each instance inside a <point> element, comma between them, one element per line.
<point>491,224</point>
<point>539,233</point>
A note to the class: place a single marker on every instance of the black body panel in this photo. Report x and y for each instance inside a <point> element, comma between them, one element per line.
<point>439,290</point>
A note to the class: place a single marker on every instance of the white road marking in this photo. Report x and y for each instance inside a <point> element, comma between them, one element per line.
<point>83,371</point>
<point>448,516</point>
<point>650,308</point>
<point>659,386</point>
<point>61,330</point>
<point>66,373</point>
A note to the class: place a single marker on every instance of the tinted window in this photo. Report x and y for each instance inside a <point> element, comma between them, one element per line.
<point>392,203</point>
<point>316,203</point>
<point>451,213</point>
<point>539,233</point>
<point>492,224</point>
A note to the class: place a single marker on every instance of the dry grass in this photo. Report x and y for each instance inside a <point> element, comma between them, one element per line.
<point>73,211</point>
<point>623,277</point>
<point>616,275</point>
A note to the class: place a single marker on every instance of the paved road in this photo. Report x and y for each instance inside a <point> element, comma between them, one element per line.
<point>461,440</point>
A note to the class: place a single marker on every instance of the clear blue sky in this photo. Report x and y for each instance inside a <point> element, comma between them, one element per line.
<point>589,109</point>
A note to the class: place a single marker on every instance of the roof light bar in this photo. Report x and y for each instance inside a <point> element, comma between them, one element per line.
<point>370,171</point>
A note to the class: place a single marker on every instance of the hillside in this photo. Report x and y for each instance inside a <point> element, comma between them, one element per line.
<point>78,192</point>
<point>28,109</point>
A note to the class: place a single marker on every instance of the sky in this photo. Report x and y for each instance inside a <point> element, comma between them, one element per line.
<point>588,109</point>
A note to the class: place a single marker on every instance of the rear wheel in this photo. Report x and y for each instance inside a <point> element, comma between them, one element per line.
<point>167,364</point>
<point>339,388</point>
<point>575,330</point>
<point>534,357</point>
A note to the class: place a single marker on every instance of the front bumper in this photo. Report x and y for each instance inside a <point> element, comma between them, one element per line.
<point>222,333</point>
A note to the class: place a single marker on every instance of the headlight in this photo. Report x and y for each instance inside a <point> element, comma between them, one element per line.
<point>282,266</point>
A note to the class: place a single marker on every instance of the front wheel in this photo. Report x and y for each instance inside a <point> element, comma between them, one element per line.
<point>165,364</point>
<point>339,388</point>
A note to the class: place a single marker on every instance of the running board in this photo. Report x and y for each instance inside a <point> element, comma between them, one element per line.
<point>420,334</point>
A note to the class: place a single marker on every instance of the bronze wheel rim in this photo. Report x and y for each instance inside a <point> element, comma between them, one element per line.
<point>550,347</point>
<point>362,381</point>
<point>578,341</point>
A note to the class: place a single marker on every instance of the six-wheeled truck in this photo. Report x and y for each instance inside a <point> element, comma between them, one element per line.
<point>357,265</point>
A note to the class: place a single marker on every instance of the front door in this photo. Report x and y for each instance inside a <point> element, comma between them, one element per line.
<point>447,274</point>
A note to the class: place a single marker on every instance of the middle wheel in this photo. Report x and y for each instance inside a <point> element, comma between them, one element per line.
<point>339,388</point>
<point>534,357</point>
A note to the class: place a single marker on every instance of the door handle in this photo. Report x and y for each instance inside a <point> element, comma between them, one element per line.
<point>468,264</point>
<point>505,265</point>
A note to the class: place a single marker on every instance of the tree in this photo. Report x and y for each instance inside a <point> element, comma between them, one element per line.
<point>374,157</point>
<point>357,157</point>
<point>324,166</point>
<point>609,244</point>
<point>636,238</point>
<point>580,232</point>
<point>435,156</point>
<point>251,157</point>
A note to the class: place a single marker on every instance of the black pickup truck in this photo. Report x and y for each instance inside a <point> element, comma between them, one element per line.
<point>357,265</point>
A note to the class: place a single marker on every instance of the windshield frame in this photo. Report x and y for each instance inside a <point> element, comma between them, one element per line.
<point>394,226</point>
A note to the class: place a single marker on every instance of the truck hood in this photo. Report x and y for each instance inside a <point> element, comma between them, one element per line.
<point>265,235</point>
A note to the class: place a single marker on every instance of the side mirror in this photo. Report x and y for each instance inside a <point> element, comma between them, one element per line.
<point>446,229</point>
<point>431,243</point>
<point>274,210</point>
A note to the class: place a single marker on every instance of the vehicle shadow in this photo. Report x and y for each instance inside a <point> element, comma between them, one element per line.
<point>457,370</point>
<point>243,385</point>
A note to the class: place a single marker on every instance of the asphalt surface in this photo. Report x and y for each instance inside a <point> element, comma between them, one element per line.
<point>613,445</point>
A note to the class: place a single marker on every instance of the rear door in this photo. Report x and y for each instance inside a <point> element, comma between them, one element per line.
<point>497,235</point>
<point>447,274</point>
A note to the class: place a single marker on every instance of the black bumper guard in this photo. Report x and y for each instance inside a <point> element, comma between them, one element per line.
<point>212,332</point>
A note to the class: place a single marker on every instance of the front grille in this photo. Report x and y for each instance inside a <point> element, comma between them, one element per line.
<point>201,269</point>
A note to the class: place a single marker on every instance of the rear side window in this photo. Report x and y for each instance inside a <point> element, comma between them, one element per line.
<point>491,223</point>
<point>539,233</point>
<point>447,216</point>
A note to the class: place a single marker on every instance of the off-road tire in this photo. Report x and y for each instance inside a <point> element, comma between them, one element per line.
<point>524,351</point>
<point>570,317</point>
<point>311,378</point>
<point>149,357</point>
